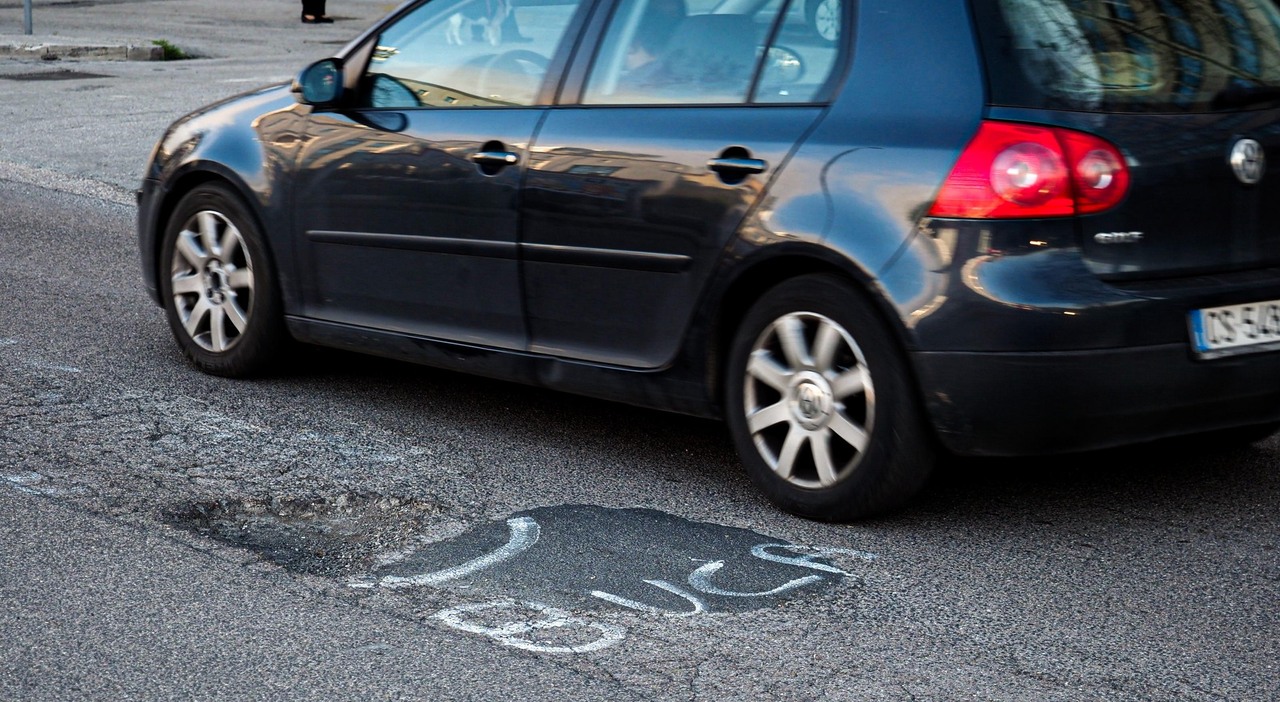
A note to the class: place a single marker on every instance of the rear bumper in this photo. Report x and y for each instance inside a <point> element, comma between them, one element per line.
<point>1052,402</point>
<point>1021,349</point>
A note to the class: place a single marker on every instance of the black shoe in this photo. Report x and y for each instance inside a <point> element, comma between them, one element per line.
<point>313,19</point>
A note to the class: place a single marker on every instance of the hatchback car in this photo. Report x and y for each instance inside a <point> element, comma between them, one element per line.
<point>991,227</point>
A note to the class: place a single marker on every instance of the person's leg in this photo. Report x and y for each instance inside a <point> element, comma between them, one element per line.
<point>313,11</point>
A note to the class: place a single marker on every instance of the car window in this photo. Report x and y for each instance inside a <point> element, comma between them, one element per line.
<point>700,52</point>
<point>1132,55</point>
<point>803,53</point>
<point>657,51</point>
<point>466,53</point>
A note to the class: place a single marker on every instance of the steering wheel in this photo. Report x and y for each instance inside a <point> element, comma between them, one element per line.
<point>513,76</point>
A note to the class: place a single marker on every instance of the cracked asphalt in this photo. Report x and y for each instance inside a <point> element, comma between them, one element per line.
<point>1150,573</point>
<point>170,535</point>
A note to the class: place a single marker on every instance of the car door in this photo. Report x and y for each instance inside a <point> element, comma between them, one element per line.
<point>633,193</point>
<point>406,200</point>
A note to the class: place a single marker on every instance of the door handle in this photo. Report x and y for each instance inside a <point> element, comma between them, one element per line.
<point>495,158</point>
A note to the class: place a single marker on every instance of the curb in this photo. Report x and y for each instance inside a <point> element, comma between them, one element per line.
<point>52,51</point>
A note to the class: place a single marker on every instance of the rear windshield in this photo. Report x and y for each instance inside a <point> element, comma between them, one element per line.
<point>1132,55</point>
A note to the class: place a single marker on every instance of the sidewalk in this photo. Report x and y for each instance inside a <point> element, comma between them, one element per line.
<point>50,48</point>
<point>77,116</point>
<point>128,29</point>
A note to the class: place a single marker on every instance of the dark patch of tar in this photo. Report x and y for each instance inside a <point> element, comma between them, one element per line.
<point>584,556</point>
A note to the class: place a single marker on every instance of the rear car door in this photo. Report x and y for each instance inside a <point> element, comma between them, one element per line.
<point>681,118</point>
<point>406,202</point>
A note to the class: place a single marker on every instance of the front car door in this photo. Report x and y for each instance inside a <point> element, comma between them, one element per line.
<point>406,200</point>
<point>633,193</point>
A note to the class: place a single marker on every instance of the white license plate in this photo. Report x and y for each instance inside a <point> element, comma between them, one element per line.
<point>1233,329</point>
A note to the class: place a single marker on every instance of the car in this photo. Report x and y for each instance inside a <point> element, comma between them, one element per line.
<point>980,227</point>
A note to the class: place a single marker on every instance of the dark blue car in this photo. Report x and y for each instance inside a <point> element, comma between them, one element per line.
<point>861,234</point>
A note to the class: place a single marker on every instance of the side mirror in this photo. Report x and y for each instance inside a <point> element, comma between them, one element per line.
<point>319,84</point>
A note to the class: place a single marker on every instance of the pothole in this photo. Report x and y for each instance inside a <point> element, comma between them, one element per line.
<point>54,75</point>
<point>329,536</point>
<point>578,557</point>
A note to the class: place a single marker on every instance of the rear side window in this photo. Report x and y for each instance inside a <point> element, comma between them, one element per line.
<point>716,52</point>
<point>1131,55</point>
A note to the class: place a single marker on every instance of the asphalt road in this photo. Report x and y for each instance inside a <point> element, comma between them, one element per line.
<point>356,527</point>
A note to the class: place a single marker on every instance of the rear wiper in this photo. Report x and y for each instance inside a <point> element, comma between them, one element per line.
<point>1244,95</point>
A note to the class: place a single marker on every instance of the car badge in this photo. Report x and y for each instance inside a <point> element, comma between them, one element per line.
<point>1119,237</point>
<point>1248,161</point>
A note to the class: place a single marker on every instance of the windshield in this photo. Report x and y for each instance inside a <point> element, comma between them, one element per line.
<point>1131,55</point>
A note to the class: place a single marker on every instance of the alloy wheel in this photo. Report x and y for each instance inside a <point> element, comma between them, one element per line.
<point>212,281</point>
<point>809,400</point>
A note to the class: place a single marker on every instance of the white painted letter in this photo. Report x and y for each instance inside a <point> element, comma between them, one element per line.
<point>512,634</point>
<point>524,534</point>
<point>807,561</point>
<point>698,607</point>
<point>700,579</point>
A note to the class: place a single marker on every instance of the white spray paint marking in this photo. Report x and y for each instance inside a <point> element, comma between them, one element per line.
<point>700,579</point>
<point>807,561</point>
<point>24,481</point>
<point>518,623</point>
<point>698,607</point>
<point>37,484</point>
<point>42,365</point>
<point>524,534</point>
<point>514,633</point>
<point>8,342</point>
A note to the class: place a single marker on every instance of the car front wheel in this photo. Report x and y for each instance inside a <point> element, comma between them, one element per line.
<point>218,286</point>
<point>821,405</point>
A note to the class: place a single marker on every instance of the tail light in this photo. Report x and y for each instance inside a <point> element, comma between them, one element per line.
<point>1014,170</point>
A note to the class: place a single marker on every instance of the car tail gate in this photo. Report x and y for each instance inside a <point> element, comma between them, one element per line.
<point>1202,198</point>
<point>1188,91</point>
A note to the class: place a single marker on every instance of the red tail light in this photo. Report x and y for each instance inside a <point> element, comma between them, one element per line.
<point>1014,170</point>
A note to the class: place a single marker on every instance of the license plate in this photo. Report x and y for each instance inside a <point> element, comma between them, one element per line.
<point>1234,329</point>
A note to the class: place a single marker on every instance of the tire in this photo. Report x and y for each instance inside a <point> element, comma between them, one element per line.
<point>1243,436</point>
<point>219,287</point>
<point>821,404</point>
<point>823,18</point>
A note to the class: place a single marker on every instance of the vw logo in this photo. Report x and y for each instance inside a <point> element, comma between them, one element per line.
<point>811,401</point>
<point>1248,161</point>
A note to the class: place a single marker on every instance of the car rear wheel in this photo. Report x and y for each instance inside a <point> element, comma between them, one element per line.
<point>821,405</point>
<point>1244,436</point>
<point>218,285</point>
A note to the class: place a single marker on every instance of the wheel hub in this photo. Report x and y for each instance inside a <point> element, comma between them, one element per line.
<point>217,284</point>
<point>811,400</point>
